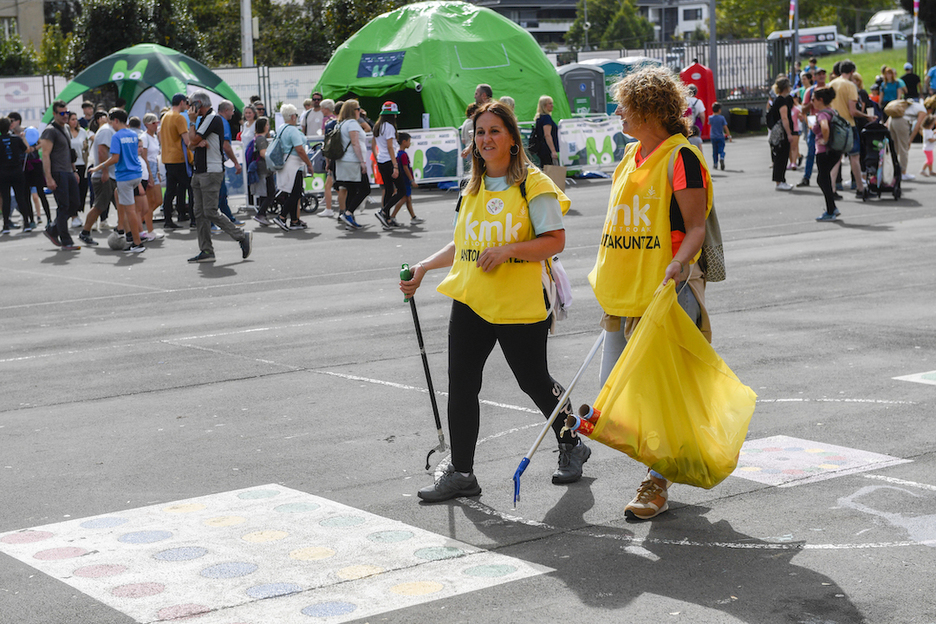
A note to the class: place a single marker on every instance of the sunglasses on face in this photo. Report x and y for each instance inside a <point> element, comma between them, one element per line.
<point>316,99</point>
<point>64,113</point>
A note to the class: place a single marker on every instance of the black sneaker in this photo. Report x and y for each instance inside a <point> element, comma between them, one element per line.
<point>722,164</point>
<point>571,460</point>
<point>52,236</point>
<point>169,224</point>
<point>70,247</point>
<point>803,182</point>
<point>135,249</point>
<point>280,222</point>
<point>384,220</point>
<point>202,257</point>
<point>450,485</point>
<point>87,240</point>
<point>246,244</point>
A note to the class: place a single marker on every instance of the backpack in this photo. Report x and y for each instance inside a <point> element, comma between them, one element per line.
<point>533,143</point>
<point>275,156</point>
<point>332,147</point>
<point>841,138</point>
<point>250,154</point>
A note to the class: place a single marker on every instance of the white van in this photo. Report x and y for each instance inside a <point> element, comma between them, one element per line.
<point>878,40</point>
<point>894,19</point>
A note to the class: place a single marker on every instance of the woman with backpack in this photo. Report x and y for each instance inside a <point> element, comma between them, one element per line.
<point>392,179</point>
<point>289,180</point>
<point>351,167</point>
<point>496,285</point>
<point>826,157</point>
<point>781,112</point>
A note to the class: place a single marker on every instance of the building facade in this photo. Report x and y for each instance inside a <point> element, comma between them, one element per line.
<point>23,17</point>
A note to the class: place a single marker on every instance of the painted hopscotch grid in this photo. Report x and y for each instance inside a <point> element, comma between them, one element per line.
<point>784,461</point>
<point>220,558</point>
<point>924,378</point>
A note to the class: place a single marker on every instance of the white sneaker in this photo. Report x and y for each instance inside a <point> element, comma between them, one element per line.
<point>152,236</point>
<point>783,186</point>
<point>327,213</point>
<point>908,176</point>
<point>76,223</point>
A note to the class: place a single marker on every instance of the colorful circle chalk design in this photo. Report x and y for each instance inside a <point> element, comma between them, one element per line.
<point>296,507</point>
<point>312,553</point>
<point>26,537</point>
<point>439,552</point>
<point>272,590</point>
<point>103,523</point>
<point>100,571</point>
<point>390,537</point>
<point>185,553</point>
<point>490,571</point>
<point>352,573</point>
<point>52,554</point>
<point>144,537</point>
<point>225,521</point>
<point>419,588</point>
<point>138,590</point>
<point>262,537</point>
<point>231,569</point>
<point>329,609</point>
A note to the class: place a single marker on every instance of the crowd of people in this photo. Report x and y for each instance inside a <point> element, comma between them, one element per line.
<point>807,104</point>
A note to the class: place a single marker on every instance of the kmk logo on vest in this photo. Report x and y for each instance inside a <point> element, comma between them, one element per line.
<point>491,231</point>
<point>633,217</point>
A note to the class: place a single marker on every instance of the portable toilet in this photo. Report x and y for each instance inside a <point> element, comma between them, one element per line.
<point>584,87</point>
<point>614,70</point>
<point>701,76</point>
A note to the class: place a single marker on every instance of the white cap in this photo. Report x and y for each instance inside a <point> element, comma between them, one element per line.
<point>908,65</point>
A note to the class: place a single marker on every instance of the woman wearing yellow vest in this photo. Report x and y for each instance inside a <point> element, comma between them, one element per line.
<point>653,232</point>
<point>509,224</point>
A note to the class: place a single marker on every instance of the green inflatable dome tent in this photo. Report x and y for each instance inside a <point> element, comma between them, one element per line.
<point>428,57</point>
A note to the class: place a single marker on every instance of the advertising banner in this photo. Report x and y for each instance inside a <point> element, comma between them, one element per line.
<point>591,143</point>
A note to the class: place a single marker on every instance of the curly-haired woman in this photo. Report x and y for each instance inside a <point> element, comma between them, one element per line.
<point>660,196</point>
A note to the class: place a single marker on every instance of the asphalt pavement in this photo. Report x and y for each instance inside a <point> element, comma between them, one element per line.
<point>242,441</point>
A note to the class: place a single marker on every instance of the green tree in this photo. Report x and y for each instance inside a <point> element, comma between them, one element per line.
<point>53,50</point>
<point>17,58</point>
<point>290,42</point>
<point>614,24</point>
<point>106,26</point>
<point>341,19</point>
<point>174,27</point>
<point>218,26</point>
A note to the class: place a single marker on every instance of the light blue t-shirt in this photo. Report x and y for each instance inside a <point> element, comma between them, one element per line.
<point>545,211</point>
<point>126,143</point>
<point>291,138</point>
<point>717,124</point>
<point>931,74</point>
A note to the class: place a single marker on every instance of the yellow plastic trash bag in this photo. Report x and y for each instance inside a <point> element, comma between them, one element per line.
<point>671,402</point>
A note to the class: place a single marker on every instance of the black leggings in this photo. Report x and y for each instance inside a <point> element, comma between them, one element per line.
<point>14,180</point>
<point>267,200</point>
<point>357,192</point>
<point>394,189</point>
<point>290,203</point>
<point>781,156</point>
<point>471,340</point>
<point>825,161</point>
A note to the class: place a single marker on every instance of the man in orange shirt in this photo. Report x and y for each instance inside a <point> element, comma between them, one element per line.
<point>173,139</point>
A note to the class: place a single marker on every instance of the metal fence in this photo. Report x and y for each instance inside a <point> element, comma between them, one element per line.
<point>745,67</point>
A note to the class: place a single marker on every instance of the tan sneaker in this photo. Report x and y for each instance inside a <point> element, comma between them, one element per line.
<point>651,500</point>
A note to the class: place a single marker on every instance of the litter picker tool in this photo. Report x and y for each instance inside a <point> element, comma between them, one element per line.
<point>562,400</point>
<point>406,275</point>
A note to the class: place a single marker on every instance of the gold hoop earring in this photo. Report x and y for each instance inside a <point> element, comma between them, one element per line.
<point>512,147</point>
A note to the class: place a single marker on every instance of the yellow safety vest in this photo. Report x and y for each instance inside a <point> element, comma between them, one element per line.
<point>635,244</point>
<point>512,293</point>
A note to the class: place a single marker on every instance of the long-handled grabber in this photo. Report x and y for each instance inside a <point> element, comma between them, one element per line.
<point>562,401</point>
<point>406,275</point>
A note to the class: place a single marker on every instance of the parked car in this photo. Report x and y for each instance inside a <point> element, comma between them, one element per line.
<point>878,40</point>
<point>818,49</point>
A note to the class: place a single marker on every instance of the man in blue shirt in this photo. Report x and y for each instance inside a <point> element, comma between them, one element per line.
<point>128,173</point>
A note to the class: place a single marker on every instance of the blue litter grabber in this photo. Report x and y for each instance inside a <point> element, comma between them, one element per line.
<point>562,400</point>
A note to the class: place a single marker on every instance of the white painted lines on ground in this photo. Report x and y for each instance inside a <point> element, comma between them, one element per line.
<point>923,378</point>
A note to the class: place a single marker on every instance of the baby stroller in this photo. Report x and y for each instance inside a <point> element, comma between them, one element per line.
<point>882,176</point>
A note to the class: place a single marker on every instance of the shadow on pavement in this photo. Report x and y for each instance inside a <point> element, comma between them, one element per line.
<point>684,557</point>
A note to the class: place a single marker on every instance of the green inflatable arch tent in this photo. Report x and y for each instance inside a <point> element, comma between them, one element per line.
<point>428,57</point>
<point>142,67</point>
